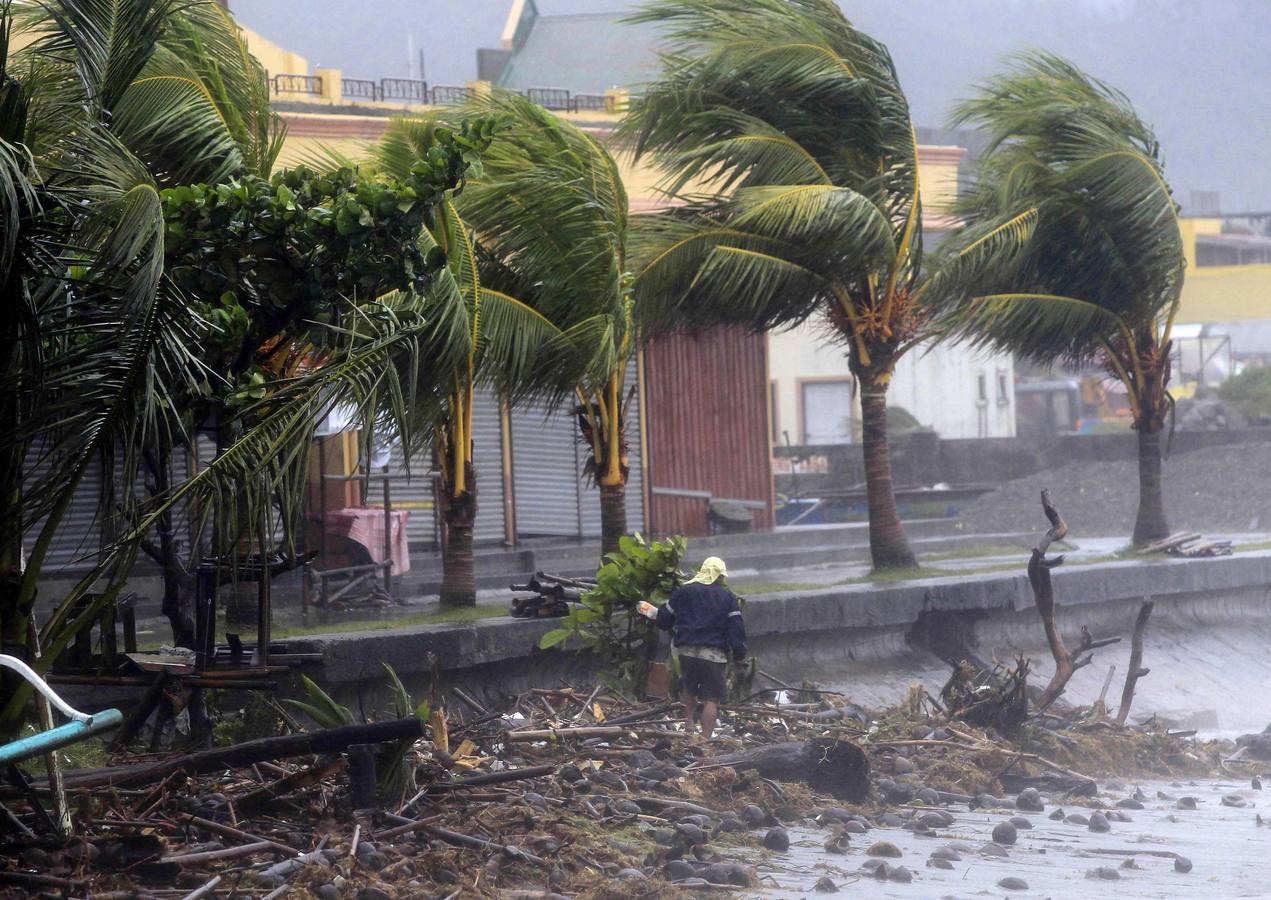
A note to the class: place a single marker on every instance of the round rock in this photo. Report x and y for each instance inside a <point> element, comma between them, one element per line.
<point>1021,823</point>
<point>901,874</point>
<point>1104,873</point>
<point>677,870</point>
<point>1004,833</point>
<point>884,848</point>
<point>1182,864</point>
<point>631,875</point>
<point>825,886</point>
<point>1030,800</point>
<point>777,839</point>
<point>1013,883</point>
<point>1099,822</point>
<point>753,816</point>
<point>939,864</point>
<point>327,892</point>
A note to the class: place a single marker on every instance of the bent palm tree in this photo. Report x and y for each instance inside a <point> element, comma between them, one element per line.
<point>551,210</point>
<point>498,338</point>
<point>1071,250</point>
<point>797,122</point>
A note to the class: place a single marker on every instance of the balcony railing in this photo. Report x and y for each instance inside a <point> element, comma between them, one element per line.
<point>298,84</point>
<point>596,102</point>
<point>361,88</point>
<point>550,98</point>
<point>415,91</point>
<point>410,90</point>
<point>450,94</point>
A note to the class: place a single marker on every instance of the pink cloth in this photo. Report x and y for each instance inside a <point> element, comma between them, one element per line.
<point>365,525</point>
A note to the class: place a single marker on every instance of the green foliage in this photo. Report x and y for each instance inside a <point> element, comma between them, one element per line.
<point>321,706</point>
<point>285,255</point>
<point>1071,240</point>
<point>796,122</point>
<point>606,624</point>
<point>1249,392</point>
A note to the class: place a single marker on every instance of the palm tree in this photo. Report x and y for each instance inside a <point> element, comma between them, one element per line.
<point>551,212</point>
<point>100,352</point>
<point>498,339</point>
<point>1071,250</point>
<point>796,123</point>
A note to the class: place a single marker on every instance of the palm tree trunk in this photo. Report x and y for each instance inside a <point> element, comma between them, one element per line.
<point>613,516</point>
<point>458,568</point>
<point>1150,525</point>
<point>888,545</point>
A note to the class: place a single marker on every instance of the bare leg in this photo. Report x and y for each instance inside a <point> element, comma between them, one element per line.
<point>709,710</point>
<point>690,711</point>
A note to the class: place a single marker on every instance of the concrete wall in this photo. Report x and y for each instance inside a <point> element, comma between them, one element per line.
<point>873,641</point>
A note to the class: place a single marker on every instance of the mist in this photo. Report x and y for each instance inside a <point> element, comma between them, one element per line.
<point>1197,71</point>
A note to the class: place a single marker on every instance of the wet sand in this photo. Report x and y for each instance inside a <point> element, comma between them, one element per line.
<point>1230,854</point>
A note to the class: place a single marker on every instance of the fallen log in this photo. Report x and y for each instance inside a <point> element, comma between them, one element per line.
<point>827,765</point>
<point>329,740</point>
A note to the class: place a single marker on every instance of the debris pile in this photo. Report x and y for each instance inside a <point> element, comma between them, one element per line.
<point>550,595</point>
<point>566,791</point>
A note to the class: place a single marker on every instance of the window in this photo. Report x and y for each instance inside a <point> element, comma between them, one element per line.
<point>1003,390</point>
<point>983,388</point>
<point>827,411</point>
<point>774,417</point>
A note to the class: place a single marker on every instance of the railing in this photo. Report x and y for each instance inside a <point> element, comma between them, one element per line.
<point>409,89</point>
<point>298,84</point>
<point>360,87</point>
<point>597,102</point>
<point>450,94</point>
<point>550,98</point>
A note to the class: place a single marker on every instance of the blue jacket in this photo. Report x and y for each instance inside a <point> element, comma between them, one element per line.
<point>704,615</point>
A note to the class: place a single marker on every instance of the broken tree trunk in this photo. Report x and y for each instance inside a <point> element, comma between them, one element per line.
<point>1044,598</point>
<point>1136,670</point>
<point>835,767</point>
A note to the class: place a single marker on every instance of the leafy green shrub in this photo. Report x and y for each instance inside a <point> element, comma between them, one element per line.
<point>1249,393</point>
<point>605,622</point>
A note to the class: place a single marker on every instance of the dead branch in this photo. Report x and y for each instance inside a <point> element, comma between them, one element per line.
<point>1136,670</point>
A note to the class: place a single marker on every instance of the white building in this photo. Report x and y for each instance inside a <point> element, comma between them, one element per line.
<point>958,391</point>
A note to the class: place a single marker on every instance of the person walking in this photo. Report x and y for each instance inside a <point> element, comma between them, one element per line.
<point>704,617</point>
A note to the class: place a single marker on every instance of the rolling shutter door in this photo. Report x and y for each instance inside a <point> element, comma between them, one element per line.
<point>546,467</point>
<point>487,437</point>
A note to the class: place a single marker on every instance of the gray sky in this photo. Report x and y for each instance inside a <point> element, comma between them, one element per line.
<point>1199,70</point>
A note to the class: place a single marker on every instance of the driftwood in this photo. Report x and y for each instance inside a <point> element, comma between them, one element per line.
<point>1136,670</point>
<point>329,740</point>
<point>260,798</point>
<point>1039,567</point>
<point>835,767</point>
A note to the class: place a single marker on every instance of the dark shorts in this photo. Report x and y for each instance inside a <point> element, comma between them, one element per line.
<point>703,679</point>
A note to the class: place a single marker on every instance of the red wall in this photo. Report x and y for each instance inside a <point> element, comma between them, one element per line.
<point>706,407</point>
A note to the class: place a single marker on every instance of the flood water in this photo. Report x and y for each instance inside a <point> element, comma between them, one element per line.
<point>1229,851</point>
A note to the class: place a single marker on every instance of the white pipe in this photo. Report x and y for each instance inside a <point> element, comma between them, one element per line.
<point>17,665</point>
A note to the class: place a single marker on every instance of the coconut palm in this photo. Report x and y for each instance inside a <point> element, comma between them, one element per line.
<point>1071,250</point>
<point>795,123</point>
<point>551,211</point>
<point>519,349</point>
<point>100,352</point>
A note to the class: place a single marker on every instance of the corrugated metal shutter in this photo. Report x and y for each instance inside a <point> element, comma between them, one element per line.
<point>546,467</point>
<point>590,494</point>
<point>487,437</point>
<point>79,534</point>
